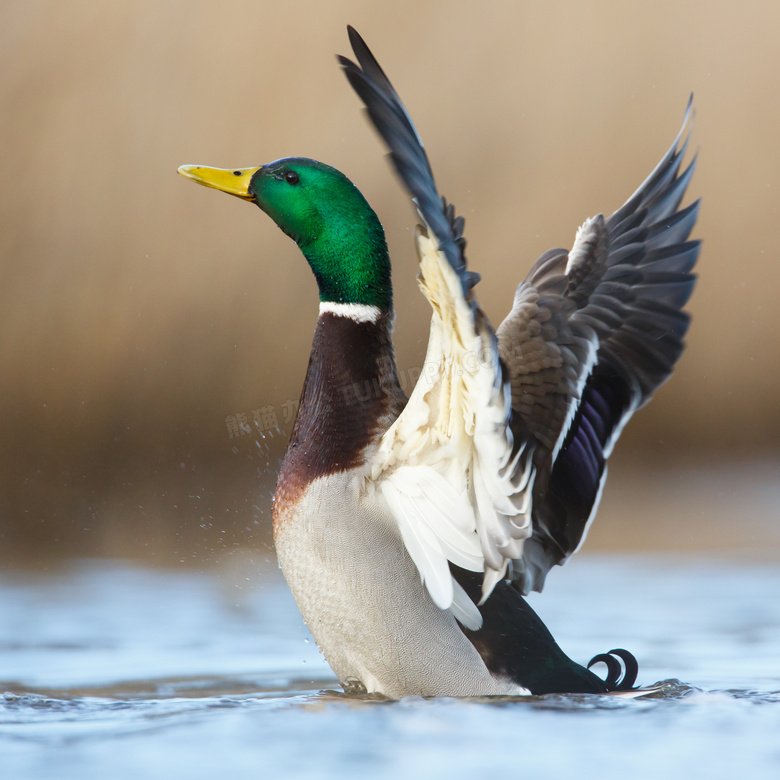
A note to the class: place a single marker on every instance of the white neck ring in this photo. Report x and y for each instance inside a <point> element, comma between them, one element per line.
<point>357,312</point>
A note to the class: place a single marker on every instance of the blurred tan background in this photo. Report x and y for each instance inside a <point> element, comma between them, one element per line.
<point>141,316</point>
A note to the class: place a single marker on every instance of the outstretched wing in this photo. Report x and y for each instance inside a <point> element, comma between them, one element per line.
<point>590,337</point>
<point>500,452</point>
<point>455,474</point>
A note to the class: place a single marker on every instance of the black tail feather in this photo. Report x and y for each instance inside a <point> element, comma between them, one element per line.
<point>620,676</point>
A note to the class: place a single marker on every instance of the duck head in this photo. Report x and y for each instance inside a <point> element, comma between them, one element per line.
<point>327,217</point>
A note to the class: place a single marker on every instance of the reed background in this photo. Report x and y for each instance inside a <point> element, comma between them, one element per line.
<point>139,313</point>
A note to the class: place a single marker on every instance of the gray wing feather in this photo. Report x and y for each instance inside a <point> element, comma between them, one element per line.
<point>632,317</point>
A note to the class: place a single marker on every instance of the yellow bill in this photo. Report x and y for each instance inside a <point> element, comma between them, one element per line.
<point>234,181</point>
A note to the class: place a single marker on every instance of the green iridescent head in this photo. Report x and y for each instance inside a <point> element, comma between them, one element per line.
<point>325,214</point>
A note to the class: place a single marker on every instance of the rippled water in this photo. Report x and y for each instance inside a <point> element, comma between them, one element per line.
<point>115,671</point>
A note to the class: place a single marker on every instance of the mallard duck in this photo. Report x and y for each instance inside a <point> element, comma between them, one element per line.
<point>409,529</point>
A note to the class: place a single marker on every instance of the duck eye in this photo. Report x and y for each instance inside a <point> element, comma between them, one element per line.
<point>291,177</point>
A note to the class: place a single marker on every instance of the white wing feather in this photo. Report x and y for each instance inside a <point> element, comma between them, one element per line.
<point>447,467</point>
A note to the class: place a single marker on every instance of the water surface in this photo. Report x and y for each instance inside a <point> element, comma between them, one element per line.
<point>118,671</point>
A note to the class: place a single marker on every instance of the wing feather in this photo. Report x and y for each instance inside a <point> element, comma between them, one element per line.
<point>626,302</point>
<point>500,453</point>
<point>454,440</point>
